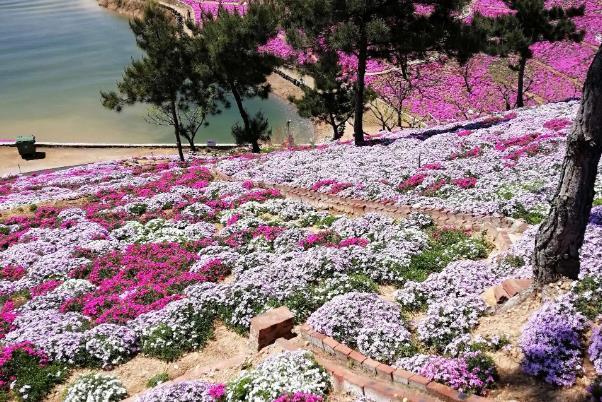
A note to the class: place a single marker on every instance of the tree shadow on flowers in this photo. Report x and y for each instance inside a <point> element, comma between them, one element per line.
<point>515,385</point>
<point>473,125</point>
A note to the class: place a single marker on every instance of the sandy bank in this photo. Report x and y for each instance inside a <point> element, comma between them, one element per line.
<point>11,162</point>
<point>128,8</point>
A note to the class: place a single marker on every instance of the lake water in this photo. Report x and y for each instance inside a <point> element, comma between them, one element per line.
<point>55,57</point>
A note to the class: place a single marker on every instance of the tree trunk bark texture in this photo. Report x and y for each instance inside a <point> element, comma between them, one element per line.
<point>561,234</point>
<point>520,98</point>
<point>358,127</point>
<point>244,116</point>
<point>176,121</point>
<point>191,142</point>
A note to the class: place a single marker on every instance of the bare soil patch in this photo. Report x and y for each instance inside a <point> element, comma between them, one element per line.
<point>225,346</point>
<point>513,384</point>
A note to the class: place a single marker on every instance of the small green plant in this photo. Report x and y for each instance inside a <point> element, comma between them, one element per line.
<point>531,217</point>
<point>4,230</point>
<point>515,261</point>
<point>588,296</point>
<point>157,379</point>
<point>237,390</point>
<point>482,365</point>
<point>597,202</point>
<point>275,376</point>
<point>138,209</point>
<point>166,343</point>
<point>33,207</point>
<point>306,301</point>
<point>31,376</point>
<point>190,328</point>
<point>444,246</point>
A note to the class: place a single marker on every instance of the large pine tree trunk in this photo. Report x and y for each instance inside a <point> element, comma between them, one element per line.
<point>520,97</point>
<point>245,118</point>
<point>358,123</point>
<point>561,234</point>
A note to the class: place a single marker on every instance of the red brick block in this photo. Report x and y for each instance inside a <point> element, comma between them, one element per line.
<point>356,358</point>
<point>443,391</point>
<point>476,398</point>
<point>402,376</point>
<point>418,381</point>
<point>500,294</point>
<point>317,339</point>
<point>385,372</point>
<point>342,352</point>
<point>381,392</point>
<point>271,325</point>
<point>514,286</point>
<point>370,365</point>
<point>330,344</point>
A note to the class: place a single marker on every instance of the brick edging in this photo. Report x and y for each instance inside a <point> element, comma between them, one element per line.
<point>496,228</point>
<point>383,371</point>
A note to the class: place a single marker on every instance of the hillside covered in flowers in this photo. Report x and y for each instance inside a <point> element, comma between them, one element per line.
<point>110,262</point>
<point>437,91</point>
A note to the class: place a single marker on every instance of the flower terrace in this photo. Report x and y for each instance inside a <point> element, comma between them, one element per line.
<point>106,264</point>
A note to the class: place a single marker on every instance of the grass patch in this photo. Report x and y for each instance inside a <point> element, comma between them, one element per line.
<point>531,217</point>
<point>445,246</point>
<point>157,379</point>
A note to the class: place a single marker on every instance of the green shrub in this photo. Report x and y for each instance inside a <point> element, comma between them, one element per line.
<point>138,209</point>
<point>166,343</point>
<point>33,377</point>
<point>483,366</point>
<point>531,217</point>
<point>189,329</point>
<point>280,374</point>
<point>237,390</point>
<point>96,387</point>
<point>515,261</point>
<point>157,379</point>
<point>444,246</point>
<point>597,202</point>
<point>306,301</point>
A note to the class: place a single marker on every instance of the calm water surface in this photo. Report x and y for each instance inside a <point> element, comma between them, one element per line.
<point>55,57</point>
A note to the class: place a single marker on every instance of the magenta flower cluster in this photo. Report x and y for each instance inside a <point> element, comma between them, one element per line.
<point>458,373</point>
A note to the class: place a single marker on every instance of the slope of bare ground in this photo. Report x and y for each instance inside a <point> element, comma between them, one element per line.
<point>513,385</point>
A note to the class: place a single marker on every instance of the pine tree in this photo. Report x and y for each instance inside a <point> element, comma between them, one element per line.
<point>228,44</point>
<point>370,29</point>
<point>180,96</point>
<point>527,23</point>
<point>561,234</point>
<point>332,99</point>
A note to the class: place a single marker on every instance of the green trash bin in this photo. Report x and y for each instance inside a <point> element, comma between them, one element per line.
<point>26,144</point>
